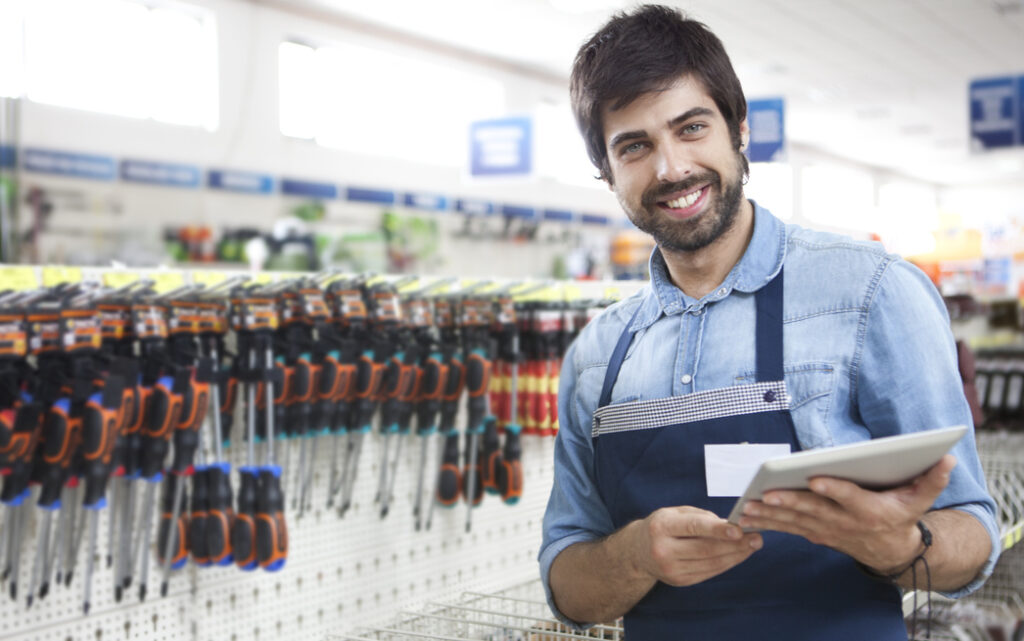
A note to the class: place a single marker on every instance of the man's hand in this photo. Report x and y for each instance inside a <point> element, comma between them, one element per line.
<point>878,529</point>
<point>686,545</point>
<point>602,580</point>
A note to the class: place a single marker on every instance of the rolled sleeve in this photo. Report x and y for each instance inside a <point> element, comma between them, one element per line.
<point>575,511</point>
<point>908,381</point>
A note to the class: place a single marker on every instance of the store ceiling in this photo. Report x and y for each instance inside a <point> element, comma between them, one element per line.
<point>882,82</point>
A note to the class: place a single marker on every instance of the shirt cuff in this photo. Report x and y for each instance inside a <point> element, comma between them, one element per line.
<point>985,517</point>
<point>546,558</point>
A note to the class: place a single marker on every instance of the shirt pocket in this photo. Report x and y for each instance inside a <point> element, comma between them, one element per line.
<point>812,389</point>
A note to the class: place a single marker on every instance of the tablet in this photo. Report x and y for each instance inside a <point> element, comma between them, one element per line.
<point>878,464</point>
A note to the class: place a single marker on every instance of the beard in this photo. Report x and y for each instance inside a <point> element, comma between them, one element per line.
<point>693,234</point>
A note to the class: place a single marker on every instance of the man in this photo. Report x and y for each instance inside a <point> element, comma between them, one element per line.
<point>852,344</point>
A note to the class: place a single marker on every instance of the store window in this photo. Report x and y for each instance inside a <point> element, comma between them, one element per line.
<point>370,101</point>
<point>840,197</point>
<point>150,60</point>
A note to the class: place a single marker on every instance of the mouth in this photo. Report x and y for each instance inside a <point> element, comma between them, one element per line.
<point>686,204</point>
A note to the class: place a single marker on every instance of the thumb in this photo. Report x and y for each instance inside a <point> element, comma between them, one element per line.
<point>929,485</point>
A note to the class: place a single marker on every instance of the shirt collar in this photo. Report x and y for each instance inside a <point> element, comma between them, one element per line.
<point>760,263</point>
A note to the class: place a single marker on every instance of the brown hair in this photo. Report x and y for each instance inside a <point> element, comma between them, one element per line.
<point>644,51</point>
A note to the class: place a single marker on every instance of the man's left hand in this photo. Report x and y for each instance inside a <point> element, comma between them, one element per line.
<point>878,529</point>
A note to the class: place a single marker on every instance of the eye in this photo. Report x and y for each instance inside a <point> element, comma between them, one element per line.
<point>693,128</point>
<point>631,148</point>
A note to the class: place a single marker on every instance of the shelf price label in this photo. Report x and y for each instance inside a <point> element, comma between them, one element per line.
<point>119,279</point>
<point>164,282</point>
<point>18,278</point>
<point>56,274</point>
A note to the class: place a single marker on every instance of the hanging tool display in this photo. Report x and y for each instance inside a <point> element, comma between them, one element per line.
<point>96,384</point>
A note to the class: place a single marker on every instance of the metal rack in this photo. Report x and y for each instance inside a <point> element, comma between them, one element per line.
<point>519,613</point>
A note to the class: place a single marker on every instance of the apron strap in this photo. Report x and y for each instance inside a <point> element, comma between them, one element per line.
<point>769,330</point>
<point>619,355</point>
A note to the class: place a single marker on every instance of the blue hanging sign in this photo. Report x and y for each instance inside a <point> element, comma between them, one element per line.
<point>596,219</point>
<point>429,202</point>
<point>558,215</point>
<point>8,157</point>
<point>501,147</point>
<point>64,163</point>
<point>475,207</point>
<point>307,189</point>
<point>362,195</point>
<point>245,182</point>
<point>767,120</point>
<point>997,116</point>
<point>160,173</point>
<point>515,211</point>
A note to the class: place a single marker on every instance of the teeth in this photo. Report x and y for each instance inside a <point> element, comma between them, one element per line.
<point>684,201</point>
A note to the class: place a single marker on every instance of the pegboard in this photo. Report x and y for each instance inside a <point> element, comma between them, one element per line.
<point>341,573</point>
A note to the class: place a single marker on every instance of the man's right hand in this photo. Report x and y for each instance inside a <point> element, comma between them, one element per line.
<point>685,545</point>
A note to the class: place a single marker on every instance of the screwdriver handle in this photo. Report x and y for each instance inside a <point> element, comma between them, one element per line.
<point>449,483</point>
<point>61,436</point>
<point>243,529</point>
<point>197,524</point>
<point>163,404</point>
<point>100,421</point>
<point>510,471</point>
<point>219,515</point>
<point>271,529</point>
<point>491,455</point>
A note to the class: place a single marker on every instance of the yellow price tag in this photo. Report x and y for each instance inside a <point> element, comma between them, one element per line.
<point>410,286</point>
<point>119,278</point>
<point>55,275</point>
<point>571,292</point>
<point>164,282</point>
<point>209,278</point>
<point>263,278</point>
<point>18,278</point>
<point>612,293</point>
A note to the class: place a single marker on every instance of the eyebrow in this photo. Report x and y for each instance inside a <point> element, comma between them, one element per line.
<point>625,136</point>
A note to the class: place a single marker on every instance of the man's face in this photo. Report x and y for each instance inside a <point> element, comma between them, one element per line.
<point>675,170</point>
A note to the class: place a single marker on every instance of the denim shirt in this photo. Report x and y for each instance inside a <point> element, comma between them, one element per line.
<point>868,353</point>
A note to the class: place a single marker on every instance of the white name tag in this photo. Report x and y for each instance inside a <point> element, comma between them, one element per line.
<point>730,468</point>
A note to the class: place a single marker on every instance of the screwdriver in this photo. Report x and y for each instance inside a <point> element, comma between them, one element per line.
<point>271,529</point>
<point>186,441</point>
<point>448,482</point>
<point>243,529</point>
<point>60,439</point>
<point>21,431</point>
<point>219,514</point>
<point>428,404</point>
<point>99,432</point>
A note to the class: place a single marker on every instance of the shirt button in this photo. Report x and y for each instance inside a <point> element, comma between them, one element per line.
<point>721,292</point>
<point>686,379</point>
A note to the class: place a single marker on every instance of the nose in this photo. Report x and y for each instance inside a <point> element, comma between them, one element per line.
<point>674,163</point>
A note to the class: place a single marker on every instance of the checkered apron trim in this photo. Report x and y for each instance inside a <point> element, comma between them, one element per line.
<point>770,396</point>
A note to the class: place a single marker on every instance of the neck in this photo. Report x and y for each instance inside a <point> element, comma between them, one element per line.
<point>699,272</point>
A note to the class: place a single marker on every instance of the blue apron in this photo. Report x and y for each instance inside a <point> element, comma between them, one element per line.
<point>650,454</point>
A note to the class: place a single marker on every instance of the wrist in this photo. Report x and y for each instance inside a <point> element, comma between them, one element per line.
<point>920,539</point>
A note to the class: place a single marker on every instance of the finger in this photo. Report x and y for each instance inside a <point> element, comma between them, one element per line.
<point>693,522</point>
<point>692,549</point>
<point>821,508</point>
<point>693,572</point>
<point>802,526</point>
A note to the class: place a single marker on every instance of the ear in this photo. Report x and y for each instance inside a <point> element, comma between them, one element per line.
<point>744,135</point>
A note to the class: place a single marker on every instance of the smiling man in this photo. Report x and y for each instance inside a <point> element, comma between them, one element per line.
<point>723,358</point>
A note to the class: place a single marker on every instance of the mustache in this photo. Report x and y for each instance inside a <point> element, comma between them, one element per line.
<point>655,194</point>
